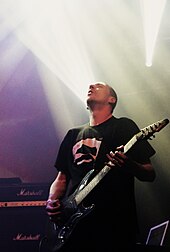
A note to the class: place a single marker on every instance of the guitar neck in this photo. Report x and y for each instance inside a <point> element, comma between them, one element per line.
<point>86,190</point>
<point>129,144</point>
<point>22,203</point>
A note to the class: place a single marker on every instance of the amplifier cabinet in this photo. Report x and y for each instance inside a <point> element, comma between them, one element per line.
<point>24,192</point>
<point>23,217</point>
<point>21,229</point>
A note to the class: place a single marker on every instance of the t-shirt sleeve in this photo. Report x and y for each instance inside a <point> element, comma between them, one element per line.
<point>64,154</point>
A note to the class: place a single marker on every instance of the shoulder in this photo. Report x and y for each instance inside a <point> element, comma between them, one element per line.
<point>75,130</point>
<point>126,127</point>
<point>125,121</point>
<point>78,127</point>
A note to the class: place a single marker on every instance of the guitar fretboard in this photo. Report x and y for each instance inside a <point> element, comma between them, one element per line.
<point>129,144</point>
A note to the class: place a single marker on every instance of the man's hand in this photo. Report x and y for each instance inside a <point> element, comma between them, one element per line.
<point>142,171</point>
<point>118,158</point>
<point>53,208</point>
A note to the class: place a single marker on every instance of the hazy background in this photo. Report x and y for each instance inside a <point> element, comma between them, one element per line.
<point>50,51</point>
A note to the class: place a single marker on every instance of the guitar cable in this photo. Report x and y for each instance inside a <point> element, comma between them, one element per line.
<point>41,244</point>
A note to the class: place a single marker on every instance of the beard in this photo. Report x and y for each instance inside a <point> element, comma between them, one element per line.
<point>90,103</point>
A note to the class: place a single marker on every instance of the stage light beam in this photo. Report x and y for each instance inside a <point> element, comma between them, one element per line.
<point>152,13</point>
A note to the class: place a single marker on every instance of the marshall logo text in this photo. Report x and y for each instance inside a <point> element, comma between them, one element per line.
<point>22,237</point>
<point>25,192</point>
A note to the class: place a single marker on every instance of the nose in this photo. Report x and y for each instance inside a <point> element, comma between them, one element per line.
<point>91,86</point>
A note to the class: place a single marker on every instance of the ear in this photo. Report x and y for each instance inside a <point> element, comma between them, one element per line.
<point>112,100</point>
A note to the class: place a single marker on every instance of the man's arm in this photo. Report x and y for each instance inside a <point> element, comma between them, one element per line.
<point>58,187</point>
<point>56,192</point>
<point>142,171</point>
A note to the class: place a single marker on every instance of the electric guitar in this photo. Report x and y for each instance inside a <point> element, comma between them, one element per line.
<point>73,210</point>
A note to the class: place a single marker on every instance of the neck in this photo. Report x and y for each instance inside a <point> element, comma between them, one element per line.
<point>97,116</point>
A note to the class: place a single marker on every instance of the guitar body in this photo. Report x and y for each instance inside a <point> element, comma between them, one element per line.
<point>60,231</point>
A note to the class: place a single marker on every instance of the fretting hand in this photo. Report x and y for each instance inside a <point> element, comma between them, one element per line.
<point>118,158</point>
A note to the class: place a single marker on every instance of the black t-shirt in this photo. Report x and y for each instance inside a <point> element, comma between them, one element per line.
<point>84,148</point>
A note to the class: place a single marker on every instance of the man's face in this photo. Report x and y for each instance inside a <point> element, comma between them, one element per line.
<point>98,93</point>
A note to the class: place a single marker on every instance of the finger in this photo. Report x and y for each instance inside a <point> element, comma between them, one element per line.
<point>117,162</point>
<point>52,210</point>
<point>52,214</point>
<point>53,202</point>
<point>120,156</point>
<point>120,148</point>
<point>110,157</point>
<point>112,162</point>
<point>112,154</point>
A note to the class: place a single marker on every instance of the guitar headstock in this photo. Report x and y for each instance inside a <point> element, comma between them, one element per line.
<point>148,132</point>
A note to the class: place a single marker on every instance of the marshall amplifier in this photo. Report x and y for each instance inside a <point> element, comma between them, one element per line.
<point>23,217</point>
<point>18,191</point>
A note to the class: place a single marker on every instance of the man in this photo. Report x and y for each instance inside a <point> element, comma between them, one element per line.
<point>112,223</point>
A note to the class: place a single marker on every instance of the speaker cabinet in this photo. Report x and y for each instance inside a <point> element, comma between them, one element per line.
<point>22,215</point>
<point>22,229</point>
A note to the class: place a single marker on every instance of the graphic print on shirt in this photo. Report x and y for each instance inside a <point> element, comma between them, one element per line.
<point>86,151</point>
